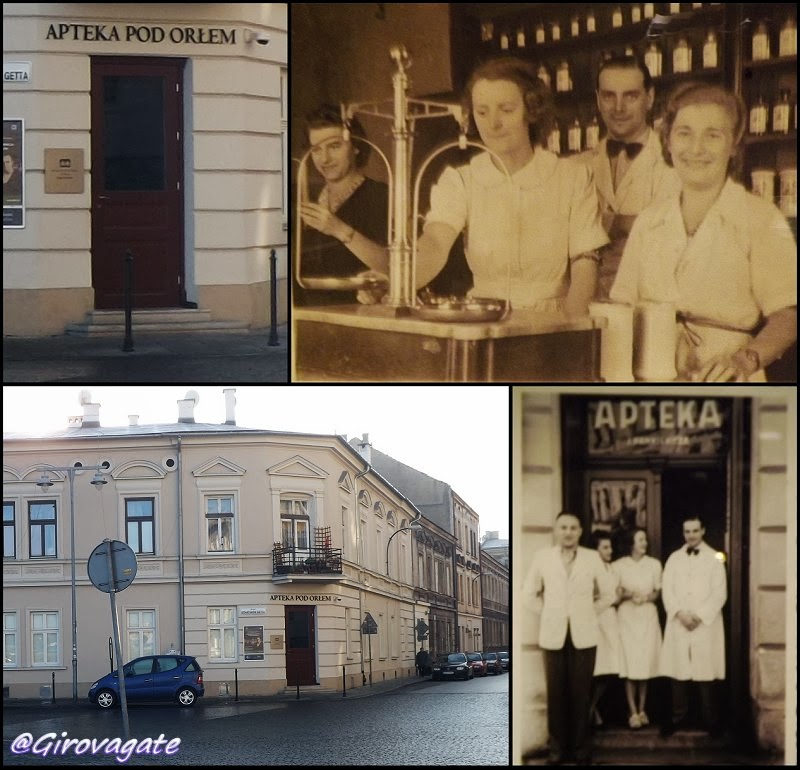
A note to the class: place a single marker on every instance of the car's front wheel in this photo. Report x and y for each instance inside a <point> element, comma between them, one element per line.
<point>106,699</point>
<point>186,696</point>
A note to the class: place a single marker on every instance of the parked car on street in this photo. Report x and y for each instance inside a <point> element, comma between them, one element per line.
<point>176,678</point>
<point>493,664</point>
<point>477,662</point>
<point>452,665</point>
<point>505,659</point>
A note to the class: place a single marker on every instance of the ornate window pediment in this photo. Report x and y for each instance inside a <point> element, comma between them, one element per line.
<point>346,483</point>
<point>219,466</point>
<point>297,466</point>
<point>364,498</point>
<point>138,469</point>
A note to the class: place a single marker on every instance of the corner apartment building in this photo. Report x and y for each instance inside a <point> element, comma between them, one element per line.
<point>261,553</point>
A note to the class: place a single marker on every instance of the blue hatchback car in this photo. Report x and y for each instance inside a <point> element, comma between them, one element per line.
<point>174,678</point>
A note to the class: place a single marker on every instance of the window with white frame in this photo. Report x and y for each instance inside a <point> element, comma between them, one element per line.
<point>42,528</point>
<point>141,626</point>
<point>9,530</point>
<point>222,634</point>
<point>140,524</point>
<point>295,522</point>
<point>45,638</point>
<point>219,523</point>
<point>10,640</point>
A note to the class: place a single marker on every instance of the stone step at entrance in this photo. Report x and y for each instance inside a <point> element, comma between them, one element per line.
<point>100,323</point>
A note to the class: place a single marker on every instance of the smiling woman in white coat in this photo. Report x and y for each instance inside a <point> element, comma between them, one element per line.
<point>694,592</point>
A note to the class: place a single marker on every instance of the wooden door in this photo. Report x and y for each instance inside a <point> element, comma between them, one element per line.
<point>301,651</point>
<point>137,177</point>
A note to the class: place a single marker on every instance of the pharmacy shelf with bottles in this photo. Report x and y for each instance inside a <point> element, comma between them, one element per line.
<point>767,80</point>
<point>720,42</point>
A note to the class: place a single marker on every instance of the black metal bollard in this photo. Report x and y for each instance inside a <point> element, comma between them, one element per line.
<point>236,676</point>
<point>53,688</point>
<point>344,684</point>
<point>273,299</point>
<point>127,346</point>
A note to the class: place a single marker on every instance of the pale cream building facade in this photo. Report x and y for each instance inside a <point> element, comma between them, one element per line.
<point>260,553</point>
<point>159,129</point>
<point>741,475</point>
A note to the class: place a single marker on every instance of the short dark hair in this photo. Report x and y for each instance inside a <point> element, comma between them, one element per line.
<point>696,92</point>
<point>630,536</point>
<point>536,95</point>
<point>598,536</point>
<point>328,115</point>
<point>568,513</point>
<point>627,62</point>
<point>692,517</point>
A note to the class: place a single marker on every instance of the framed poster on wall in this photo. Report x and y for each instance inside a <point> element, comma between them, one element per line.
<point>13,173</point>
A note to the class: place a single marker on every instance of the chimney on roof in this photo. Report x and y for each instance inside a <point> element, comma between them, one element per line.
<point>91,412</point>
<point>230,406</point>
<point>133,419</point>
<point>186,406</point>
<point>364,448</point>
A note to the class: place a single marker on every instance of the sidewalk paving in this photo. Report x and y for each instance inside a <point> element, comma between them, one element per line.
<point>211,698</point>
<point>202,358</point>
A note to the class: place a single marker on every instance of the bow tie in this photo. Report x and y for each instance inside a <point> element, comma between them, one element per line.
<point>693,551</point>
<point>615,147</point>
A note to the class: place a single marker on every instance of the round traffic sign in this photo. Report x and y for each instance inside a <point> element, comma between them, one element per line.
<point>123,566</point>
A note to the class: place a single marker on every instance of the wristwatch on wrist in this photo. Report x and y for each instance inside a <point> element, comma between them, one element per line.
<point>747,360</point>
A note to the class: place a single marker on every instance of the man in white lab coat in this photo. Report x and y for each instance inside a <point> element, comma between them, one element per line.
<point>628,166</point>
<point>694,592</point>
<point>564,584</point>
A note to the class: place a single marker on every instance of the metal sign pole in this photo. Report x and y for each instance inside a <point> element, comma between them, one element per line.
<point>123,695</point>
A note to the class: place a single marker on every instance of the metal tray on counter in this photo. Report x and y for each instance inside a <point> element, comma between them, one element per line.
<point>347,283</point>
<point>461,310</point>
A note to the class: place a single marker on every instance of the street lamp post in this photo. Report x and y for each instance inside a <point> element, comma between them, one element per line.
<point>98,481</point>
<point>412,526</point>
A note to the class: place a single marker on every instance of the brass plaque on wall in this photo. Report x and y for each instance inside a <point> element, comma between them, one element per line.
<point>63,170</point>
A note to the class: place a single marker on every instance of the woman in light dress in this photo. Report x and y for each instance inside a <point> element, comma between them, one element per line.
<point>639,629</point>
<point>606,662</point>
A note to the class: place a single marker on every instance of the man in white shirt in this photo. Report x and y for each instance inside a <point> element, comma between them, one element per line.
<point>694,592</point>
<point>628,166</point>
<point>564,584</point>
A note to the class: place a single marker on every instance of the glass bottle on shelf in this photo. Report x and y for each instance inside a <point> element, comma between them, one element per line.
<point>544,75</point>
<point>695,6</point>
<point>710,58</point>
<point>616,17</point>
<point>787,45</point>
<point>574,136</point>
<point>540,33</point>
<point>554,140</point>
<point>504,41</point>
<point>758,117</point>
<point>556,30</point>
<point>520,36</point>
<point>575,26</point>
<point>761,42</point>
<point>592,134</point>
<point>636,13</point>
<point>563,80</point>
<point>682,56</point>
<point>629,50</point>
<point>652,60</point>
<point>487,31</point>
<point>674,7</point>
<point>780,113</point>
<point>591,26</point>
<point>649,10</point>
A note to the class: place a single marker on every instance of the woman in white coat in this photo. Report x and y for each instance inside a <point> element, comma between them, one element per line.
<point>639,629</point>
<point>606,663</point>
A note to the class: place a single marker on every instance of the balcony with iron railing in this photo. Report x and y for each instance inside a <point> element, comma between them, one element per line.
<point>316,564</point>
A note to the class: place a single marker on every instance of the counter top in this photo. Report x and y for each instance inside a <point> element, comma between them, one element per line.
<point>522,322</point>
